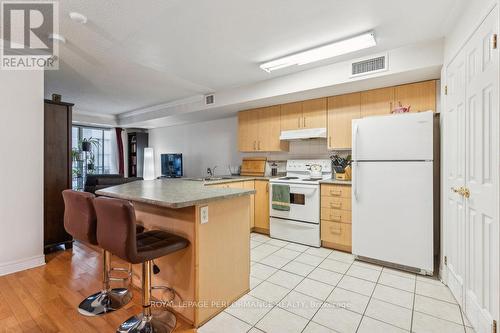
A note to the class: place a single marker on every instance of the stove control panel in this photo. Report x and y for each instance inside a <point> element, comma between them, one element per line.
<point>304,165</point>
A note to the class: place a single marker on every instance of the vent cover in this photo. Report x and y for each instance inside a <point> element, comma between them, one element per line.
<point>369,66</point>
<point>209,99</point>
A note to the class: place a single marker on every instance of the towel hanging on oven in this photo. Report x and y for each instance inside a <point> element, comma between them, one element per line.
<point>281,197</point>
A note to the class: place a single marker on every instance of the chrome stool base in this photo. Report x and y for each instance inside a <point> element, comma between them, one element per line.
<point>161,322</point>
<point>103,302</point>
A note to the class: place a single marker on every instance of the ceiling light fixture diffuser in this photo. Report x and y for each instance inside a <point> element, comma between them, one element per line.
<point>335,49</point>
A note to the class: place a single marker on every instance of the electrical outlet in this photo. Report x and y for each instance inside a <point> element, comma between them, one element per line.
<point>204,214</point>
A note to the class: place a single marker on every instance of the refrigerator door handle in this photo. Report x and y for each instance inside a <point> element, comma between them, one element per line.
<point>355,177</point>
<point>355,142</point>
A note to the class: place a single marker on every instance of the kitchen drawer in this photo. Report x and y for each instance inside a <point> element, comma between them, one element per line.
<point>336,233</point>
<point>336,215</point>
<point>342,191</point>
<point>336,203</point>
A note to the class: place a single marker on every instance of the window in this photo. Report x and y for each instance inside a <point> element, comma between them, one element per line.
<point>96,161</point>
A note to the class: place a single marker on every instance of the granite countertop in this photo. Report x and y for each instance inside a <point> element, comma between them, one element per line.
<point>173,193</point>
<point>233,179</point>
<point>336,181</point>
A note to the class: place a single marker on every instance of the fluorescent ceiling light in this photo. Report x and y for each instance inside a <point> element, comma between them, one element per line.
<point>323,52</point>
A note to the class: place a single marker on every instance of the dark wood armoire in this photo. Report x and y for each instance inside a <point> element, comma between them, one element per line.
<point>57,171</point>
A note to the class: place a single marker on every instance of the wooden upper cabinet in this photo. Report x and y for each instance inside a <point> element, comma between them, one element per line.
<point>248,130</point>
<point>291,116</point>
<point>377,102</point>
<point>314,113</point>
<point>420,96</point>
<point>270,130</point>
<point>259,130</point>
<point>342,110</point>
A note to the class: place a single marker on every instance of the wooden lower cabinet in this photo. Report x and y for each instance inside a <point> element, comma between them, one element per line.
<point>336,235</point>
<point>262,206</point>
<point>259,202</point>
<point>250,185</point>
<point>336,203</point>
<point>336,216</point>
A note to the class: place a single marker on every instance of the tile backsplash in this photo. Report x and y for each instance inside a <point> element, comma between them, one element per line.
<point>303,149</point>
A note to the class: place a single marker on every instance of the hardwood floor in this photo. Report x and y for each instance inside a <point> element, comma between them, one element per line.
<point>45,299</point>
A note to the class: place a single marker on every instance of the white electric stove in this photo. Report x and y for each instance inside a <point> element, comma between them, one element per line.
<point>301,224</point>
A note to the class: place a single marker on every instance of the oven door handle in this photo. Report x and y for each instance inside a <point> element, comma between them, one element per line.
<point>305,191</point>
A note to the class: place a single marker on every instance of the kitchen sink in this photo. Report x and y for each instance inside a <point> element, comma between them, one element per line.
<point>209,179</point>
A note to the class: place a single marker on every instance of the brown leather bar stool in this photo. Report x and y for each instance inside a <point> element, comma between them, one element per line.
<point>116,233</point>
<point>80,221</point>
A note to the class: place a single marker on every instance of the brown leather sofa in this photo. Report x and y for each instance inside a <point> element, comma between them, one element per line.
<point>97,182</point>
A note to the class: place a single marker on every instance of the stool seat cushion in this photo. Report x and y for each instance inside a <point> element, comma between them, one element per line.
<point>117,233</point>
<point>156,243</point>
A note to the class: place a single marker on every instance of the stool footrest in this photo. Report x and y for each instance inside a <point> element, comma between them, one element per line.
<point>171,290</point>
<point>119,269</point>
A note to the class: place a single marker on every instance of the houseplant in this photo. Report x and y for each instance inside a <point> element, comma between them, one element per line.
<point>86,144</point>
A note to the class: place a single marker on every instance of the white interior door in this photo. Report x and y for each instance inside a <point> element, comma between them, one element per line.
<point>454,174</point>
<point>482,152</point>
<point>471,161</point>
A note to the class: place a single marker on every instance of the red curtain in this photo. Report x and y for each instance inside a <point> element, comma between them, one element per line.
<point>121,167</point>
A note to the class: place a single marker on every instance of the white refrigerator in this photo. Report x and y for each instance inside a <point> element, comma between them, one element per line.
<point>392,184</point>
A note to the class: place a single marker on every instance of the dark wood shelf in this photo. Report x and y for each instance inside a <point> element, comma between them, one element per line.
<point>137,141</point>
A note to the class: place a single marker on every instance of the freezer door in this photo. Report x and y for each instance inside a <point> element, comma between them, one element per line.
<point>392,212</point>
<point>397,137</point>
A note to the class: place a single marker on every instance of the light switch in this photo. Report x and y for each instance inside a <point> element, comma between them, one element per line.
<point>204,214</point>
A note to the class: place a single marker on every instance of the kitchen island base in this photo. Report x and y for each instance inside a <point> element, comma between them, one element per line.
<point>214,270</point>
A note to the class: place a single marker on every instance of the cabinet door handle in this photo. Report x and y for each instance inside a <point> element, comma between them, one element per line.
<point>335,204</point>
<point>336,230</point>
<point>390,107</point>
<point>335,218</point>
<point>304,120</point>
<point>336,193</point>
<point>298,122</point>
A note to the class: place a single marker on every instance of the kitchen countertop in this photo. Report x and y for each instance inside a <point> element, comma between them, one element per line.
<point>233,179</point>
<point>175,193</point>
<point>336,181</point>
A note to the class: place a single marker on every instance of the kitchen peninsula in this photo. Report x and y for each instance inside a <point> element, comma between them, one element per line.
<point>214,269</point>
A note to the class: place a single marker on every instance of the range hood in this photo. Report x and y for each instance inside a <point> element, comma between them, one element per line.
<point>302,134</point>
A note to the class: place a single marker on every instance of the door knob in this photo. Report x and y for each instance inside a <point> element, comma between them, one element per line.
<point>465,192</point>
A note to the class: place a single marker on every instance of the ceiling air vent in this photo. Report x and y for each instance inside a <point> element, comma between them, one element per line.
<point>209,99</point>
<point>369,66</point>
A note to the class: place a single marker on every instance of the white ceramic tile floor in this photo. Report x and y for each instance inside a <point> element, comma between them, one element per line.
<point>296,288</point>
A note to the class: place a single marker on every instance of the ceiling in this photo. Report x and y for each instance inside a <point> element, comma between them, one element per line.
<point>135,54</point>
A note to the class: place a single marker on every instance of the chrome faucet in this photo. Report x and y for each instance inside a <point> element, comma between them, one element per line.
<point>211,171</point>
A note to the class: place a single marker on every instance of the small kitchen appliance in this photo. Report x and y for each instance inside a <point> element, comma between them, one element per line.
<point>301,223</point>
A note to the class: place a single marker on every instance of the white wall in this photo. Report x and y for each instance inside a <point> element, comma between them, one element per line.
<point>21,170</point>
<point>203,145</point>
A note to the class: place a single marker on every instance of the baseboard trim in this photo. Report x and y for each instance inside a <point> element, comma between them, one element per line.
<point>21,264</point>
